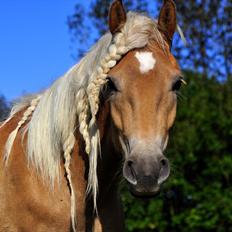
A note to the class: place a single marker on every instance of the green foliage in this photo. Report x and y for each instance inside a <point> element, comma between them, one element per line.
<point>198,194</point>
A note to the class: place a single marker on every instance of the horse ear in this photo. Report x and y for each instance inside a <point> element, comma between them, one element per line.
<point>117,16</point>
<point>167,20</point>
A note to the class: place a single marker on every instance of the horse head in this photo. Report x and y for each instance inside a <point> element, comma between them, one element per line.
<point>142,95</point>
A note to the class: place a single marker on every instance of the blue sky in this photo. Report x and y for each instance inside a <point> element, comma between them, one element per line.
<point>34,44</point>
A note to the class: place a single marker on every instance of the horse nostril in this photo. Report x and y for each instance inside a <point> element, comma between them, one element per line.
<point>129,172</point>
<point>163,163</point>
<point>164,170</point>
<point>130,163</point>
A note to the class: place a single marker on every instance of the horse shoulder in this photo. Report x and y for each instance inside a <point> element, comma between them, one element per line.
<point>26,200</point>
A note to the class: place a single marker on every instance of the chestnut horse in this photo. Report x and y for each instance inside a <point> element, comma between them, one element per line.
<point>62,151</point>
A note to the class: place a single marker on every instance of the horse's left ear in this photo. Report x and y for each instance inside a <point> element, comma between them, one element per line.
<point>167,20</point>
<point>117,16</point>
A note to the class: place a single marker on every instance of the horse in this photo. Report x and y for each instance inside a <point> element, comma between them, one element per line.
<point>65,150</point>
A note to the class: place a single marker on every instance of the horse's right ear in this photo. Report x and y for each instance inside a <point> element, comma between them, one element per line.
<point>167,20</point>
<point>117,16</point>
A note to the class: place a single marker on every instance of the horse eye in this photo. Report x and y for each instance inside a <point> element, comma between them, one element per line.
<point>109,89</point>
<point>177,85</point>
<point>110,85</point>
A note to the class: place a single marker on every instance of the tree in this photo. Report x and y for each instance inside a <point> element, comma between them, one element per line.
<point>4,108</point>
<point>206,25</point>
<point>208,29</point>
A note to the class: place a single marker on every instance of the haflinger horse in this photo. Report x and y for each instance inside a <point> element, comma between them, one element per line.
<point>63,151</point>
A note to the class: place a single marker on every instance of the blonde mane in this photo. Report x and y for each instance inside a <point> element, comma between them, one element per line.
<point>71,104</point>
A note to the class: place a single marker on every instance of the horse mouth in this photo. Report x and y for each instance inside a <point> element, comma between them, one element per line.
<point>144,194</point>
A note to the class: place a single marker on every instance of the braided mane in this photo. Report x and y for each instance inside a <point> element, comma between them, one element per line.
<point>75,98</point>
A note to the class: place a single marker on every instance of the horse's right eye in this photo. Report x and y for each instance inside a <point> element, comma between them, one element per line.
<point>110,85</point>
<point>109,89</point>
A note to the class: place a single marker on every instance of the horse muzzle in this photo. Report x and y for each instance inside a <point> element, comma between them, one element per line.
<point>146,174</point>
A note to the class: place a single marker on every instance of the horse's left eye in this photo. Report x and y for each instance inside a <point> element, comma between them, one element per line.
<point>177,85</point>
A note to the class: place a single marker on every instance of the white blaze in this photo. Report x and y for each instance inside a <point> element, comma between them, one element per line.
<point>146,60</point>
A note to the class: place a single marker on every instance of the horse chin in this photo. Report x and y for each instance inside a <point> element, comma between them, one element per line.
<point>144,195</point>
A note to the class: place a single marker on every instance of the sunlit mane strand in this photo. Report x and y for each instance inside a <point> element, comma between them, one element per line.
<point>29,111</point>
<point>75,97</point>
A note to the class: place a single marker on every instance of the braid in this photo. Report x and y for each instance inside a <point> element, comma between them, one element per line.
<point>115,52</point>
<point>82,112</point>
<point>29,111</point>
<point>68,147</point>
